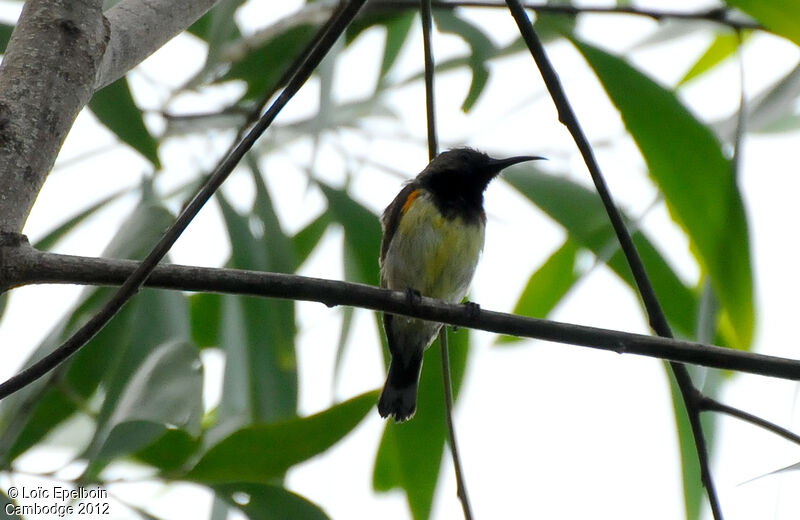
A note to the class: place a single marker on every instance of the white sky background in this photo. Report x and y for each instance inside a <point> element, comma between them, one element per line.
<point>545,430</point>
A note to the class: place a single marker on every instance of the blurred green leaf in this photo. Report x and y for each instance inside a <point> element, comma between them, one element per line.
<point>690,466</point>
<point>263,65</point>
<point>263,452</point>
<point>771,110</point>
<point>257,334</point>
<point>4,512</point>
<point>5,35</point>
<point>721,48</point>
<point>307,238</point>
<point>551,27</point>
<point>397,31</point>
<point>170,451</point>
<point>265,502</point>
<point>481,50</point>
<point>279,245</point>
<point>28,415</point>
<point>51,239</point>
<point>205,310</point>
<point>166,392</point>
<point>410,453</point>
<point>362,235</point>
<point>547,285</point>
<point>115,108</point>
<point>781,16</point>
<point>581,213</point>
<point>685,160</point>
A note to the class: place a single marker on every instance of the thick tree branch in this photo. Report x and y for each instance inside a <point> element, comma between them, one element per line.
<point>141,27</point>
<point>46,78</point>
<point>22,265</point>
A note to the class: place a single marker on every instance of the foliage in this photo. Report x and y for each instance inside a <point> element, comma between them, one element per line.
<point>139,383</point>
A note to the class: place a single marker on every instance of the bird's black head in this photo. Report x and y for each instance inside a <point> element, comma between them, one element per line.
<point>457,179</point>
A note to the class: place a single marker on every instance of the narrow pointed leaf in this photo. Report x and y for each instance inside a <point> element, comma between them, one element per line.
<point>481,50</point>
<point>257,334</point>
<point>263,452</point>
<point>5,35</point>
<point>781,16</point>
<point>581,213</point>
<point>686,161</point>
<point>264,502</point>
<point>166,392</point>
<point>410,453</point>
<point>721,48</point>
<point>362,234</point>
<point>115,108</point>
<point>52,238</point>
<point>547,285</point>
<point>28,415</point>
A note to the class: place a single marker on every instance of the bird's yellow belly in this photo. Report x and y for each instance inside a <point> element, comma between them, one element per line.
<point>432,254</point>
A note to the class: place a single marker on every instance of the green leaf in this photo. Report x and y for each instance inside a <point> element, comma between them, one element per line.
<point>265,502</point>
<point>205,310</point>
<point>166,392</point>
<point>28,415</point>
<point>581,213</point>
<point>262,66</point>
<point>481,48</point>
<point>690,466</point>
<point>171,451</point>
<point>53,237</point>
<point>410,453</point>
<point>5,35</point>
<point>263,452</point>
<point>781,16</point>
<point>686,161</point>
<point>397,30</point>
<point>548,285</point>
<point>307,238</point>
<point>4,511</point>
<point>721,48</point>
<point>362,235</point>
<point>115,108</point>
<point>257,334</point>
<point>771,110</point>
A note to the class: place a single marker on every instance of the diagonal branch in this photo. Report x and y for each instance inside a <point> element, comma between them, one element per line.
<point>655,313</point>
<point>215,180</point>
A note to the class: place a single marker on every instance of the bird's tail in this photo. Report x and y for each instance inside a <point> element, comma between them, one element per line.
<point>399,396</point>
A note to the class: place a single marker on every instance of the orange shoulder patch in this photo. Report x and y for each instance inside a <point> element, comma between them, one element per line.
<point>411,196</point>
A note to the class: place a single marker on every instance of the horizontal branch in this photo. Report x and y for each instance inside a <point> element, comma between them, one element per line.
<point>22,265</point>
<point>720,15</point>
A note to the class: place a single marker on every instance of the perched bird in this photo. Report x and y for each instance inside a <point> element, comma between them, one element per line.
<point>433,234</point>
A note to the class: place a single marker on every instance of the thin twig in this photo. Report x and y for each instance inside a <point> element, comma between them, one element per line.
<point>138,277</point>
<point>707,404</point>
<point>461,482</point>
<point>430,106</point>
<point>719,15</point>
<point>655,313</point>
<point>433,150</point>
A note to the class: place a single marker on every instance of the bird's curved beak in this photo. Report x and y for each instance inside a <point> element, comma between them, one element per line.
<point>500,164</point>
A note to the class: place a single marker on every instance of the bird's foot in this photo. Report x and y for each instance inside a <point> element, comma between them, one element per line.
<point>413,296</point>
<point>474,310</point>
